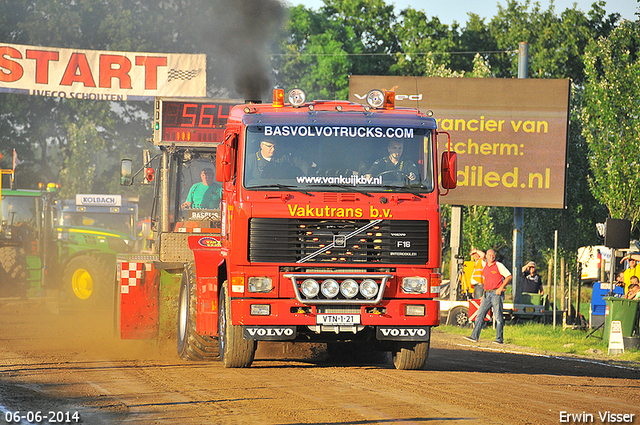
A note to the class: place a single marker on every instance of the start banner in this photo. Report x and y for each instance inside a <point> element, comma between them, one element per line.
<point>100,75</point>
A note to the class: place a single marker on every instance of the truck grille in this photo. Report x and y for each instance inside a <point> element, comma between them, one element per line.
<point>274,240</point>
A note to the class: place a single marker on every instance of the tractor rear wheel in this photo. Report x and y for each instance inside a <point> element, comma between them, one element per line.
<point>191,345</point>
<point>89,281</point>
<point>13,272</point>
<point>235,351</point>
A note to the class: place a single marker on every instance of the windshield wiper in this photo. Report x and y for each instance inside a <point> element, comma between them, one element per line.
<point>343,186</point>
<point>404,188</point>
<point>280,186</point>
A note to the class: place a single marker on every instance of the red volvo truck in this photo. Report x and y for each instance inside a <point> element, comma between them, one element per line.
<point>325,227</point>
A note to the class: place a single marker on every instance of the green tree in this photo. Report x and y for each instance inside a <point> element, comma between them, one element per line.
<point>610,120</point>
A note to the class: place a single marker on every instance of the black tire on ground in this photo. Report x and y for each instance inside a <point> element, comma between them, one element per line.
<point>411,355</point>
<point>191,345</point>
<point>13,272</point>
<point>90,281</point>
<point>235,351</point>
<point>459,316</point>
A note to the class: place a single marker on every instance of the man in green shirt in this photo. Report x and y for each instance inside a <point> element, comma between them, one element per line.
<point>204,194</point>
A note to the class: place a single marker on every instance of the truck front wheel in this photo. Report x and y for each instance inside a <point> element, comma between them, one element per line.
<point>191,345</point>
<point>411,355</point>
<point>89,280</point>
<point>235,351</point>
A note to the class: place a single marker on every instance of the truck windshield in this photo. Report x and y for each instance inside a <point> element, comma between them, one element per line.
<point>339,158</point>
<point>196,184</point>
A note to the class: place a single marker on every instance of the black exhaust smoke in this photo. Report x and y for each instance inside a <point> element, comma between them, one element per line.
<point>245,32</point>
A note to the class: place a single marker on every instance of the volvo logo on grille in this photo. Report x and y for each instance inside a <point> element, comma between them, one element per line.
<point>339,241</point>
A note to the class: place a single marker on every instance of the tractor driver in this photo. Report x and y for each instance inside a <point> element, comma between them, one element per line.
<point>204,194</point>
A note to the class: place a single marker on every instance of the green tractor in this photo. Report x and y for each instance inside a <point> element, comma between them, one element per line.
<point>24,240</point>
<point>90,232</point>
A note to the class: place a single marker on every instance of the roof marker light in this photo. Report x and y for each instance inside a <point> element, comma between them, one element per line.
<point>297,97</point>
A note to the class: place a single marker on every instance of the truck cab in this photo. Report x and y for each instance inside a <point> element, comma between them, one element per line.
<point>328,228</point>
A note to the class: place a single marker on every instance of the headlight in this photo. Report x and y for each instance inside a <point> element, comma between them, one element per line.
<point>310,288</point>
<point>330,288</point>
<point>260,284</point>
<point>349,288</point>
<point>368,288</point>
<point>414,285</point>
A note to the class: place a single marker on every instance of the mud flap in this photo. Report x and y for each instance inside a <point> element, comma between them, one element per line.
<point>403,333</point>
<point>138,300</point>
<point>269,333</point>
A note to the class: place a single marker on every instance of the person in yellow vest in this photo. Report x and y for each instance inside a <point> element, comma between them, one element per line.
<point>476,277</point>
<point>632,270</point>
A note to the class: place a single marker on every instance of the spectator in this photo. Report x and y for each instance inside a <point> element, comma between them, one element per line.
<point>532,282</point>
<point>632,270</point>
<point>634,289</point>
<point>476,277</point>
<point>496,278</point>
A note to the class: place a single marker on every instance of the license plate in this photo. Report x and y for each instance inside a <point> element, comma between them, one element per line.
<point>338,319</point>
<point>529,310</point>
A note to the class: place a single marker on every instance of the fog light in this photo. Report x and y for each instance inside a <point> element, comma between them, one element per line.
<point>349,288</point>
<point>330,288</point>
<point>414,310</point>
<point>414,285</point>
<point>375,98</point>
<point>260,284</point>
<point>368,288</point>
<point>310,288</point>
<point>297,97</point>
<point>260,309</point>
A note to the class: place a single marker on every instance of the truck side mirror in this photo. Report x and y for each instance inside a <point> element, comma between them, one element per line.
<point>223,163</point>
<point>126,172</point>
<point>449,170</point>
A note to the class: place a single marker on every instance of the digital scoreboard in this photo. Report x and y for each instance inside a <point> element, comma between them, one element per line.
<point>190,120</point>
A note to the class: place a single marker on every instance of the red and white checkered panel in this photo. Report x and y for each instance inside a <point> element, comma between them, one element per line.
<point>131,274</point>
<point>474,305</point>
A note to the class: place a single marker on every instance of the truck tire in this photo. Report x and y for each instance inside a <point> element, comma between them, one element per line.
<point>235,351</point>
<point>411,355</point>
<point>191,345</point>
<point>459,316</point>
<point>89,281</point>
<point>13,272</point>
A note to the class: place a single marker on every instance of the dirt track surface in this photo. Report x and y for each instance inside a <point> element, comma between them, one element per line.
<point>63,361</point>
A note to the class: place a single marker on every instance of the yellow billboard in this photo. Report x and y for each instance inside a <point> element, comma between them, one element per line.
<point>510,134</point>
